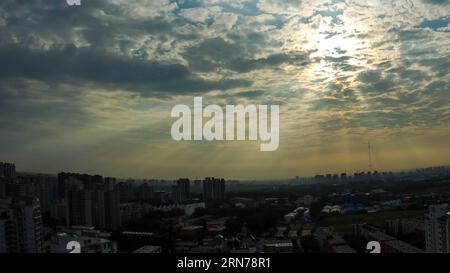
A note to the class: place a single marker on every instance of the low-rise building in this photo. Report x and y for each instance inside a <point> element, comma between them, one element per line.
<point>330,241</point>
<point>148,249</point>
<point>388,243</point>
<point>278,246</point>
<point>88,239</point>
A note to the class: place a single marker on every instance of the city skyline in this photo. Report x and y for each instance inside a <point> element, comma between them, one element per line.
<point>90,88</point>
<point>320,175</point>
<point>81,213</point>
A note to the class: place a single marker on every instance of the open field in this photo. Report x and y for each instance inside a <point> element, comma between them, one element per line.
<point>343,223</point>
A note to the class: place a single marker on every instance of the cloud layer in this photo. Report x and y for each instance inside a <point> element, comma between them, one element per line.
<point>90,88</point>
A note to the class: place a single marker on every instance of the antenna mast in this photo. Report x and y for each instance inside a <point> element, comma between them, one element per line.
<point>370,157</point>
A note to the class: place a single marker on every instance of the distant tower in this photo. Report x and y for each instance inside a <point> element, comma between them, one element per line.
<point>370,157</point>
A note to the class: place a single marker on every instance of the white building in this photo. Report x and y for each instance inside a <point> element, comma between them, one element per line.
<point>437,229</point>
<point>89,239</point>
<point>290,217</point>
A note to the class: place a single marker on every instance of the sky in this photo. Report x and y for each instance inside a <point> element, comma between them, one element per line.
<point>90,88</point>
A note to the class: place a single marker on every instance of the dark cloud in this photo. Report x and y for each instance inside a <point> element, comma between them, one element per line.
<point>329,104</point>
<point>32,111</point>
<point>111,55</point>
<point>436,24</point>
<point>438,91</point>
<point>410,74</point>
<point>375,82</point>
<point>436,2</point>
<point>211,54</point>
<point>99,23</point>
<point>342,63</point>
<point>216,53</point>
<point>250,94</point>
<point>73,64</point>
<point>272,61</point>
<point>439,66</point>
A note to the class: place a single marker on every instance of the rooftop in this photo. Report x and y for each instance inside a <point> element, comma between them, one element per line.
<point>148,249</point>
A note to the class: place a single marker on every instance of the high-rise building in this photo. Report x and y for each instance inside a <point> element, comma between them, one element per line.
<point>112,209</point>
<point>8,232</point>
<point>126,192</point>
<point>36,185</point>
<point>3,187</point>
<point>58,210</point>
<point>175,194</point>
<point>437,229</point>
<point>30,228</point>
<point>77,203</point>
<point>47,192</point>
<point>7,175</point>
<point>92,205</point>
<point>21,228</point>
<point>88,181</point>
<point>183,190</point>
<point>213,189</point>
<point>184,185</point>
<point>145,192</point>
<point>7,179</point>
<point>197,186</point>
<point>7,170</point>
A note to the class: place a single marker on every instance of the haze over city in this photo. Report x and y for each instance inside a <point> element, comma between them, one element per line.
<point>90,88</point>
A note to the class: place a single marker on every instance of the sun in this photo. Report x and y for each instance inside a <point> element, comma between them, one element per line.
<point>334,46</point>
